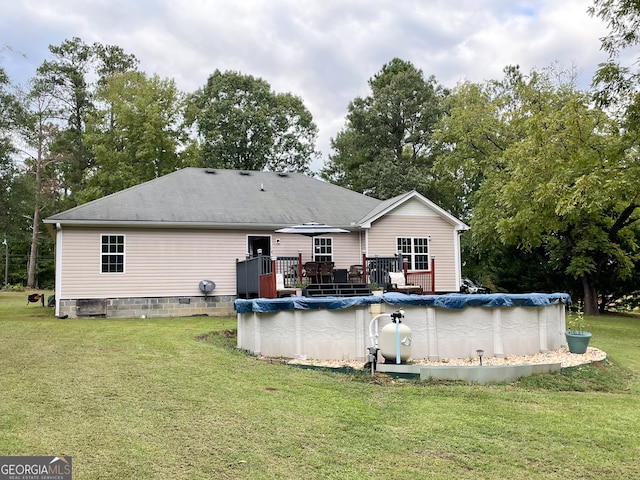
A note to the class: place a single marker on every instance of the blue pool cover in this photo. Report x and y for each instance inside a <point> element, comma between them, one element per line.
<point>451,300</point>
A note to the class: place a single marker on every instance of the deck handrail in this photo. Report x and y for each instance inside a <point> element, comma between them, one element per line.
<point>376,269</point>
<point>256,276</point>
<point>424,279</point>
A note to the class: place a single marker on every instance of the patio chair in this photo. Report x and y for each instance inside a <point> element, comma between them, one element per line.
<point>355,274</point>
<point>312,272</point>
<point>398,284</point>
<point>326,272</point>
<point>281,290</point>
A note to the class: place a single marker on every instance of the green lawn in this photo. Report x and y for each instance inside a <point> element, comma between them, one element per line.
<point>169,399</point>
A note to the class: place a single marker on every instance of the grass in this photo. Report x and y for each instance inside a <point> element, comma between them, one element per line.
<point>171,399</point>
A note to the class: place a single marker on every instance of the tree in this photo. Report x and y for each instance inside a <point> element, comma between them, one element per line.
<point>9,110</point>
<point>38,131</point>
<point>623,19</point>
<point>133,132</point>
<point>10,196</point>
<point>557,174</point>
<point>68,77</point>
<point>617,84</point>
<point>242,124</point>
<point>385,147</point>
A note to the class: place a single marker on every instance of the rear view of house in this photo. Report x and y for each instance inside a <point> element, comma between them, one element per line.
<point>170,247</point>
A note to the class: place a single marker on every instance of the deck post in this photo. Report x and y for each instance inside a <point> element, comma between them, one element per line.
<point>433,274</point>
<point>364,267</point>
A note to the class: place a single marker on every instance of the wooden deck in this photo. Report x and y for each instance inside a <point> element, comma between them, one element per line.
<point>336,290</point>
<point>270,277</point>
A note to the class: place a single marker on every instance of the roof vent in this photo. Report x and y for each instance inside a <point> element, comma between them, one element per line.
<point>283,174</point>
<point>210,170</point>
<point>245,173</point>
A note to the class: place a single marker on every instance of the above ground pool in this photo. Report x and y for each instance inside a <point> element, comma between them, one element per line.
<point>442,326</point>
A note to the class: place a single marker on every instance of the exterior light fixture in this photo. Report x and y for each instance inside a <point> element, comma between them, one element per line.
<point>480,353</point>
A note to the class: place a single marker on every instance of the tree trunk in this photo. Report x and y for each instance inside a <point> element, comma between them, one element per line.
<point>33,254</point>
<point>590,296</point>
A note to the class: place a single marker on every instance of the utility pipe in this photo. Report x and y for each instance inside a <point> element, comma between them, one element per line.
<point>398,361</point>
<point>372,338</point>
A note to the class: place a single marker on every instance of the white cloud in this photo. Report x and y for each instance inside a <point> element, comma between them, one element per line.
<point>323,51</point>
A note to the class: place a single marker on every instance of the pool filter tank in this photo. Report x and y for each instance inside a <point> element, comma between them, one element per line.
<point>395,340</point>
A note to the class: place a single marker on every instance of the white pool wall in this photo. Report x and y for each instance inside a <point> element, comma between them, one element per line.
<point>437,333</point>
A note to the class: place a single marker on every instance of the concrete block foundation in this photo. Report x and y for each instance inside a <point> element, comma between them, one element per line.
<point>150,307</point>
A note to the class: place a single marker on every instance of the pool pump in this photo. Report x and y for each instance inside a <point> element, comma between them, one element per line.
<point>395,340</point>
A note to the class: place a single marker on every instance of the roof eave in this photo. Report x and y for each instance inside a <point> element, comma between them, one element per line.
<point>165,224</point>
<point>458,224</point>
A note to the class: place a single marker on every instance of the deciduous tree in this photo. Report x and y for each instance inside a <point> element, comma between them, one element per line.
<point>11,197</point>
<point>553,173</point>
<point>69,77</point>
<point>134,133</point>
<point>241,123</point>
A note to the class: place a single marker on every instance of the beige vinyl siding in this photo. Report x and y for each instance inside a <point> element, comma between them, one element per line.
<point>347,250</point>
<point>172,262</point>
<point>157,263</point>
<point>346,247</point>
<point>408,222</point>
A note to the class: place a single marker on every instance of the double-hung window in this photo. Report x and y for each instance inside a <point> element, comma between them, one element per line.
<point>415,251</point>
<point>323,249</point>
<point>112,253</point>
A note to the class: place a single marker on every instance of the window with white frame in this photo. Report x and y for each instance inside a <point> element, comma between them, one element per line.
<point>112,253</point>
<point>415,251</point>
<point>323,249</point>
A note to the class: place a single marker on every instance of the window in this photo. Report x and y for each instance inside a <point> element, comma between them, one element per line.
<point>112,254</point>
<point>323,249</point>
<point>414,250</point>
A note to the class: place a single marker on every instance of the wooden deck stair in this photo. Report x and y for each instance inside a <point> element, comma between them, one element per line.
<point>336,290</point>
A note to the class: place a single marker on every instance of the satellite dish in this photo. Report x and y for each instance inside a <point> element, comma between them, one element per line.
<point>207,286</point>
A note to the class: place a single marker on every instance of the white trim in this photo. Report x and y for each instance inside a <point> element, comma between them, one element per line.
<point>459,225</point>
<point>366,242</point>
<point>457,257</point>
<point>58,268</point>
<point>313,253</point>
<point>413,253</point>
<point>124,253</point>
<point>180,225</point>
<point>246,243</point>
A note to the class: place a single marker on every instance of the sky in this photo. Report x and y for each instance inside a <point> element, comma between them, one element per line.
<point>323,51</point>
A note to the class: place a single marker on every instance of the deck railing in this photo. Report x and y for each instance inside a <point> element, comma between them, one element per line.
<point>256,277</point>
<point>425,279</point>
<point>248,274</point>
<point>291,270</point>
<point>376,269</point>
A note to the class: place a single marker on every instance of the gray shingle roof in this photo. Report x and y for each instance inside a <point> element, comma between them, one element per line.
<point>226,198</point>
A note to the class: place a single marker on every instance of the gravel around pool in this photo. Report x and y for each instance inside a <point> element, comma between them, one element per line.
<point>562,356</point>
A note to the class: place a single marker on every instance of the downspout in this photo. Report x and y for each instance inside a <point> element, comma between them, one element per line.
<point>58,267</point>
<point>458,256</point>
<point>366,242</point>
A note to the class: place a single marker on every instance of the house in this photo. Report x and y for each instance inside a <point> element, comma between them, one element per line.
<point>148,250</point>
